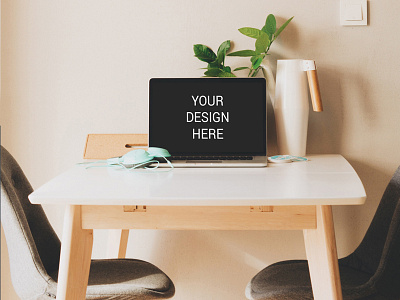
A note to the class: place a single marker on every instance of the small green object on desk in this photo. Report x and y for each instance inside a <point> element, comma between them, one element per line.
<point>286,159</point>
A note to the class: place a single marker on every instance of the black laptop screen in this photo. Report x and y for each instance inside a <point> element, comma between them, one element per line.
<point>208,116</point>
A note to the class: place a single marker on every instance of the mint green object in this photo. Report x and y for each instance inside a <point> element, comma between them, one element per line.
<point>158,152</point>
<point>135,159</point>
<point>286,158</point>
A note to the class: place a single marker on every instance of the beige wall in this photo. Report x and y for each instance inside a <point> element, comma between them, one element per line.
<point>75,67</point>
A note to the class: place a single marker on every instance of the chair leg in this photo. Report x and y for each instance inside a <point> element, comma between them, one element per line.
<point>117,243</point>
<point>76,251</point>
<point>322,256</point>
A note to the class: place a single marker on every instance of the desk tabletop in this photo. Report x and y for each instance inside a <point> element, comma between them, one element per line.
<point>323,180</point>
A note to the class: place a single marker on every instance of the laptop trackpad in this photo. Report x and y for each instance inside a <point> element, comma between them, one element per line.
<point>203,161</point>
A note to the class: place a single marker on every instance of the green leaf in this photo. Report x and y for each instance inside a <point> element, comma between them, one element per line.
<point>204,53</point>
<point>241,68</point>
<point>251,32</point>
<point>212,72</point>
<point>255,72</point>
<point>262,43</point>
<point>226,74</point>
<point>257,63</point>
<point>227,69</point>
<point>278,32</point>
<point>264,29</point>
<point>210,66</point>
<point>243,53</point>
<point>221,53</point>
<point>270,24</point>
<point>213,65</point>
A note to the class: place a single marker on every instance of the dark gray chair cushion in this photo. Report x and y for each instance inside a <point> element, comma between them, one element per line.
<point>34,251</point>
<point>291,280</point>
<point>371,272</point>
<point>127,278</point>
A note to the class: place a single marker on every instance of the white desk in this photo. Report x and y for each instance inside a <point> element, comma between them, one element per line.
<point>285,196</point>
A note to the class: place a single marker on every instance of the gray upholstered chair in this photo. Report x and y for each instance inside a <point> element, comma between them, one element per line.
<point>34,251</point>
<point>371,272</point>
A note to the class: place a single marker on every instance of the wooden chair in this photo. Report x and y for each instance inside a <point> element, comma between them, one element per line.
<point>103,146</point>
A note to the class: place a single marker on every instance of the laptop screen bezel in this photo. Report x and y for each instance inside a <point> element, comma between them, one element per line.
<point>263,130</point>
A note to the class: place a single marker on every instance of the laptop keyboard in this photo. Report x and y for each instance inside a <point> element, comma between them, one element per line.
<point>212,158</point>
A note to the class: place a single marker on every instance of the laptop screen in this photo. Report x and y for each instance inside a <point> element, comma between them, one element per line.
<point>208,116</point>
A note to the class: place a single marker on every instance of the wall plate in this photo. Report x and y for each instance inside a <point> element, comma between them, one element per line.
<point>353,12</point>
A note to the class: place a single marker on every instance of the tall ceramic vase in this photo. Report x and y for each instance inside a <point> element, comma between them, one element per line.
<point>291,106</point>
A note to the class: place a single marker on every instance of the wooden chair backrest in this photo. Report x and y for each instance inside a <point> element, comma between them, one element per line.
<point>103,146</point>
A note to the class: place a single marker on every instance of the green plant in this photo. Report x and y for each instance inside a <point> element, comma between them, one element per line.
<point>264,38</point>
<point>216,62</point>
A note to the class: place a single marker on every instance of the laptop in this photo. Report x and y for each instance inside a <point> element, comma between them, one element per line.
<point>209,122</point>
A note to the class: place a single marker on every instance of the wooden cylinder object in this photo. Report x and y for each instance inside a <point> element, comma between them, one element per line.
<point>314,90</point>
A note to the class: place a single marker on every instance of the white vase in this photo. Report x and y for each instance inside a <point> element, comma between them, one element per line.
<point>291,106</point>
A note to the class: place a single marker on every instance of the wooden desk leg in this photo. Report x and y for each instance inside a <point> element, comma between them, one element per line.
<point>76,251</point>
<point>117,243</point>
<point>322,256</point>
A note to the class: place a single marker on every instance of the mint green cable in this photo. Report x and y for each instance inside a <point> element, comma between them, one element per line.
<point>125,167</point>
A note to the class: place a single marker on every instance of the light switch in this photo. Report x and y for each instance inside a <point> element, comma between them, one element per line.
<point>353,12</point>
